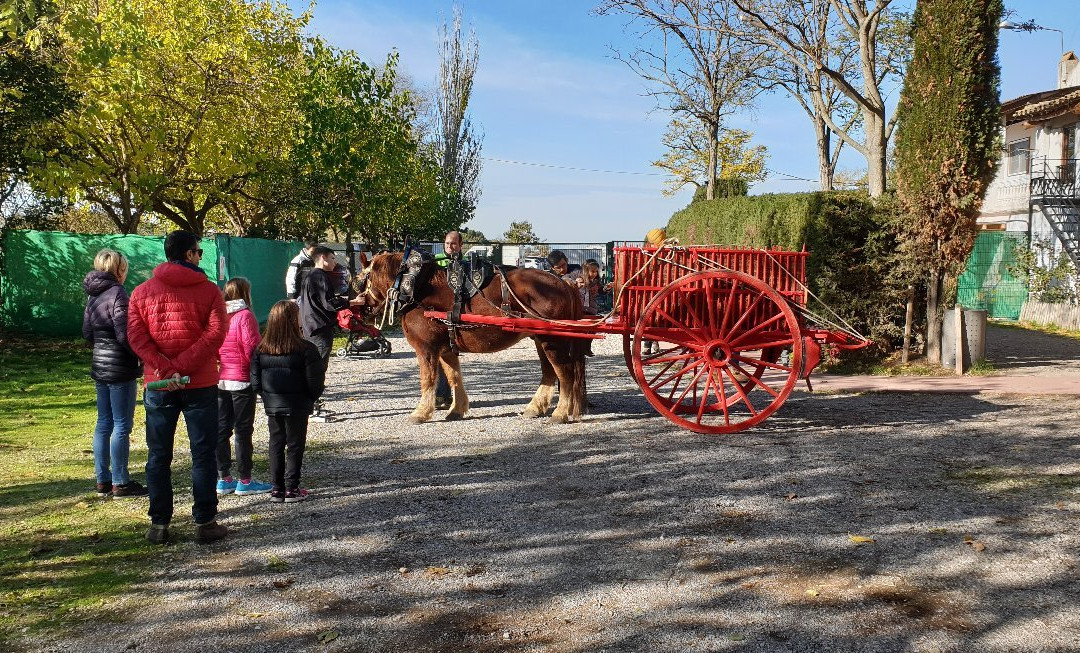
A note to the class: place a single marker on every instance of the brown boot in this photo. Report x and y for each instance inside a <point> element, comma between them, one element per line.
<point>210,532</point>
<point>158,534</point>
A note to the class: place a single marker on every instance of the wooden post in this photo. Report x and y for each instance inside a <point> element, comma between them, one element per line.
<point>908,317</point>
<point>960,340</point>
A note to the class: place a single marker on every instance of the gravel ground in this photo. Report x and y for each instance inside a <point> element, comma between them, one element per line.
<point>623,533</point>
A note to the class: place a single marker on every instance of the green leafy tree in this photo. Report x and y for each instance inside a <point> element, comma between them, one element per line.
<point>457,142</point>
<point>472,235</point>
<point>1050,275</point>
<point>361,169</point>
<point>32,92</point>
<point>181,102</point>
<point>947,143</point>
<point>520,231</point>
<point>687,158</point>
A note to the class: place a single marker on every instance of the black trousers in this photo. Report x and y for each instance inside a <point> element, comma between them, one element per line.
<point>442,385</point>
<point>288,436</point>
<point>236,415</point>
<point>323,339</point>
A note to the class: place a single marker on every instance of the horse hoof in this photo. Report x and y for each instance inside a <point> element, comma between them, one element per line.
<point>531,412</point>
<point>559,419</point>
<point>419,419</point>
<point>453,417</point>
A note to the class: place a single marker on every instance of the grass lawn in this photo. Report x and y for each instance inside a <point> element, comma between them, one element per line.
<point>66,556</point>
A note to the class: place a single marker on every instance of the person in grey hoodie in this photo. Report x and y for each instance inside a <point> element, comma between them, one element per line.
<point>114,368</point>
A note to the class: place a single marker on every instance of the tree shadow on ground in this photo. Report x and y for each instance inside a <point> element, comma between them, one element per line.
<point>1014,347</point>
<point>631,535</point>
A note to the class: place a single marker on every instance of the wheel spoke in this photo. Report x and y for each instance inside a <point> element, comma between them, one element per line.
<point>760,363</point>
<point>692,386</point>
<point>742,318</point>
<point>675,387</point>
<point>671,359</point>
<point>721,397</point>
<point>689,306</point>
<point>762,345</point>
<point>709,317</point>
<point>757,328</point>
<point>727,309</point>
<point>662,352</point>
<point>661,372</point>
<point>654,385</point>
<point>704,398</point>
<point>681,327</point>
<point>764,386</point>
<point>741,392</point>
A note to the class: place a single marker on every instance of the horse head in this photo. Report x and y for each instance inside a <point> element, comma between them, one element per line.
<point>376,280</point>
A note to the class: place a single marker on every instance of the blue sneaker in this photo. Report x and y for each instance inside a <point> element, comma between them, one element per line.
<point>252,487</point>
<point>226,485</point>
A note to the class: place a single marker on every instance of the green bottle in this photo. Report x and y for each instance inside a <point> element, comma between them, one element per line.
<point>158,385</point>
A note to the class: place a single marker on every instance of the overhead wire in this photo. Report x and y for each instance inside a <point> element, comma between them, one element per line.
<point>553,166</point>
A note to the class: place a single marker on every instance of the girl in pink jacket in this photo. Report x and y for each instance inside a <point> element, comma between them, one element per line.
<point>236,399</point>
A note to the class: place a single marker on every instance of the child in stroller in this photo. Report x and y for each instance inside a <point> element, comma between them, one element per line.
<point>365,341</point>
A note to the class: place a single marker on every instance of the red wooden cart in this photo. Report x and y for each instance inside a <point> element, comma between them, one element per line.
<point>716,338</point>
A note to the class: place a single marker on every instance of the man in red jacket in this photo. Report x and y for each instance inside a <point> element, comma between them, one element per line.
<point>176,324</point>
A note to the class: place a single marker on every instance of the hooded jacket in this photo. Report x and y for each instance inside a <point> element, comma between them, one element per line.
<point>318,302</point>
<point>294,276</point>
<point>176,324</point>
<point>240,341</point>
<point>105,325</point>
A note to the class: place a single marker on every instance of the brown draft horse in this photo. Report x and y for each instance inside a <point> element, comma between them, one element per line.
<point>543,293</point>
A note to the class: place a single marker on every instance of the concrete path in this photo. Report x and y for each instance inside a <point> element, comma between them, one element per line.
<point>1019,385</point>
<point>1026,362</point>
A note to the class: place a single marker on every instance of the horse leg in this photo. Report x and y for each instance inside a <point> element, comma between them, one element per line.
<point>582,395</point>
<point>426,408</point>
<point>575,389</point>
<point>451,367</point>
<point>561,357</point>
<point>541,400</point>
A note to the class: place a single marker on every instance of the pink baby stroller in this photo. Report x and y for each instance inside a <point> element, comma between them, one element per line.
<point>365,341</point>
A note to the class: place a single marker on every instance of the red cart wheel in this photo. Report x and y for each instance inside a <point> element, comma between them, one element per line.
<point>719,336</point>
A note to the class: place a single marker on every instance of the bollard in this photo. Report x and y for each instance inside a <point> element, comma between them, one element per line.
<point>973,345</point>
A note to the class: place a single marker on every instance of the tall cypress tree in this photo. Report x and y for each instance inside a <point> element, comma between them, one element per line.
<point>947,141</point>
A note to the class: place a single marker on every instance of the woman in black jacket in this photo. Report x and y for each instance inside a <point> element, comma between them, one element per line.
<point>289,374</point>
<point>114,369</point>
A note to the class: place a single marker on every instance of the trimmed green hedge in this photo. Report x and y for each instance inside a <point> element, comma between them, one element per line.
<point>725,187</point>
<point>854,256</point>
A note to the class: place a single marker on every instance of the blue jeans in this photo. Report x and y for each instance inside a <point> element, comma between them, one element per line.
<point>115,414</point>
<point>200,409</point>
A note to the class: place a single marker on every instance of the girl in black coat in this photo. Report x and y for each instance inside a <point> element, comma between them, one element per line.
<point>289,374</point>
<point>114,369</point>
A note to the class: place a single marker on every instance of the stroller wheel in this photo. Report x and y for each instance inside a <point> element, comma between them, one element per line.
<point>341,353</point>
<point>384,348</point>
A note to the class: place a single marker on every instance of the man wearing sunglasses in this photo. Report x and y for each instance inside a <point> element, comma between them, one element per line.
<point>176,324</point>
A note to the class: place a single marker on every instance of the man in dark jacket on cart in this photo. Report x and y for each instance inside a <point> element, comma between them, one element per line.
<point>451,250</point>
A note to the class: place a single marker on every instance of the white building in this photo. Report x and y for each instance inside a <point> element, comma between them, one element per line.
<point>1035,191</point>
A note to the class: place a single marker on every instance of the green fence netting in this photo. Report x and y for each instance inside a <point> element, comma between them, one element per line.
<point>986,283</point>
<point>262,262</point>
<point>42,273</point>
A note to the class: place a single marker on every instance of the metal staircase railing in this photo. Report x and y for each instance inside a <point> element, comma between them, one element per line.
<point>1055,191</point>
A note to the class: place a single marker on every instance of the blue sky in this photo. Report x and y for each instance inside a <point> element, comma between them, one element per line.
<point>549,92</point>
